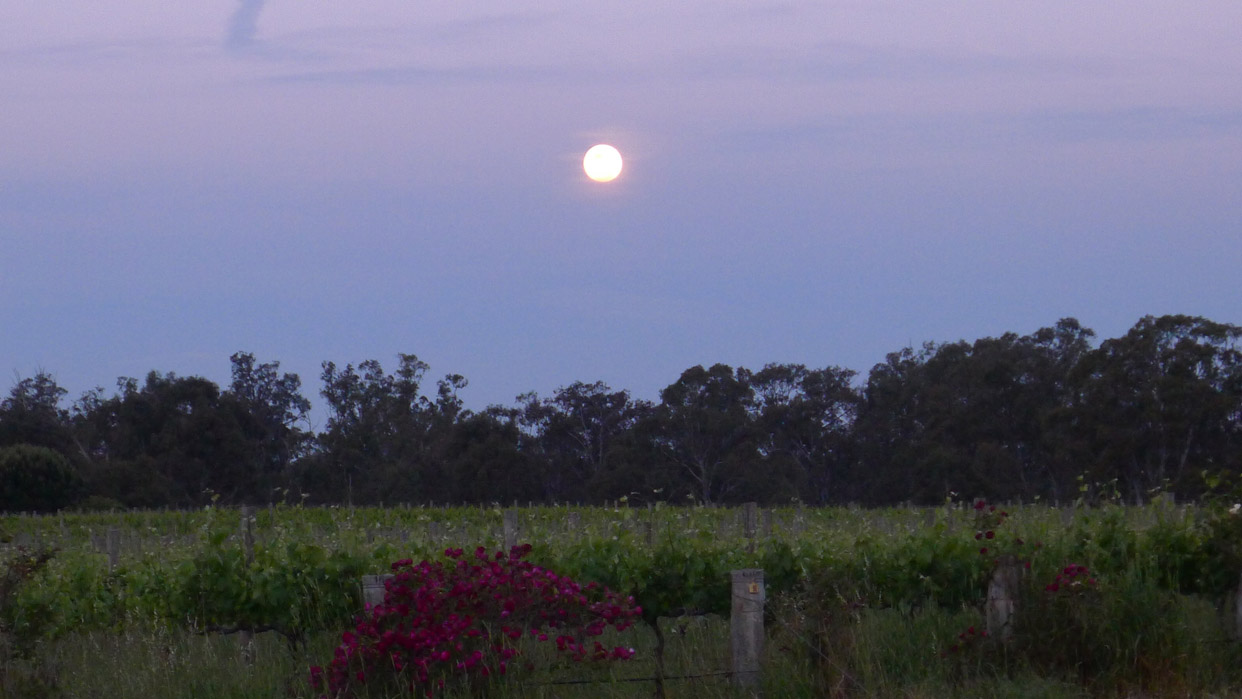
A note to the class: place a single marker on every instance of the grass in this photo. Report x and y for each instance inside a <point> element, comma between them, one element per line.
<point>870,653</point>
<point>1133,638</point>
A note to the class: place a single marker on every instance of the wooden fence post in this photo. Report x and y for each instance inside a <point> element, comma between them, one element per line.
<point>247,533</point>
<point>511,529</point>
<point>246,637</point>
<point>373,589</point>
<point>1002,596</point>
<point>746,628</point>
<point>1233,607</point>
<point>749,524</point>
<point>113,544</point>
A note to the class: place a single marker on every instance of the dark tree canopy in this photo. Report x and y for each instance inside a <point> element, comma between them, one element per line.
<point>1014,417</point>
<point>31,414</point>
<point>36,479</point>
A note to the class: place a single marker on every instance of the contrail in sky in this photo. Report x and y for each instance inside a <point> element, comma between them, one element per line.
<point>244,24</point>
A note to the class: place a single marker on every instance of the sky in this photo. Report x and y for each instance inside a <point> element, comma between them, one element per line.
<point>811,182</point>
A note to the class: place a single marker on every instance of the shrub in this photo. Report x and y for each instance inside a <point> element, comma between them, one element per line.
<point>36,479</point>
<point>456,623</point>
<point>19,630</point>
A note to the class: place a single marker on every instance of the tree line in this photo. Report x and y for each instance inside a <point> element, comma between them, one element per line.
<point>1048,416</point>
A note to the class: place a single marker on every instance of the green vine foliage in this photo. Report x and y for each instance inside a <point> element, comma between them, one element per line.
<point>20,625</point>
<point>306,567</point>
<point>1221,526</point>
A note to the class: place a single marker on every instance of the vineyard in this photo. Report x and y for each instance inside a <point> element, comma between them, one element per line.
<point>1121,589</point>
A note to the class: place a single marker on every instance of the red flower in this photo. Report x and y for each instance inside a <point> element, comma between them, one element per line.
<point>438,621</point>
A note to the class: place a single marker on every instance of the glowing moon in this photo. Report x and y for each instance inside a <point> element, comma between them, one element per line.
<point>602,163</point>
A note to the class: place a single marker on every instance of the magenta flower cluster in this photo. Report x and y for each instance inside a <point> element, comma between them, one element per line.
<point>1072,577</point>
<point>987,519</point>
<point>965,640</point>
<point>457,622</point>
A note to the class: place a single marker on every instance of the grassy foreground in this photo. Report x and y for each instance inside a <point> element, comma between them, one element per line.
<point>1112,601</point>
<point>873,653</point>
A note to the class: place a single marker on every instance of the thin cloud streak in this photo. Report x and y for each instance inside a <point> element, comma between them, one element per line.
<point>955,131</point>
<point>828,63</point>
<point>838,61</point>
<point>432,75</point>
<point>94,53</point>
<point>244,24</point>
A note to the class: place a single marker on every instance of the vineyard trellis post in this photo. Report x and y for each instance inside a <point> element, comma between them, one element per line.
<point>746,628</point>
<point>511,529</point>
<point>749,519</point>
<point>113,547</point>
<point>1001,600</point>
<point>373,588</point>
<point>245,637</point>
<point>1235,629</point>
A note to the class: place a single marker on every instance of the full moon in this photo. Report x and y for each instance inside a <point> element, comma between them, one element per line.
<point>602,163</point>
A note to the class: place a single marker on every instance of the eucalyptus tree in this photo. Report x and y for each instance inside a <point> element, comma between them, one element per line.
<point>171,440</point>
<point>1162,404</point>
<point>977,419</point>
<point>374,442</point>
<point>703,429</point>
<point>898,432</point>
<point>579,433</point>
<point>485,463</point>
<point>273,414</point>
<point>32,414</point>
<point>804,420</point>
<point>385,440</point>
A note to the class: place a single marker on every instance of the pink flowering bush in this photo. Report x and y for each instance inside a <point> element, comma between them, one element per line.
<point>987,520</point>
<point>456,623</point>
<point>966,640</point>
<point>1066,625</point>
<point>1074,579</point>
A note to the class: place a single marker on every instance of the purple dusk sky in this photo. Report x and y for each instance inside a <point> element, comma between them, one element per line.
<point>812,182</point>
